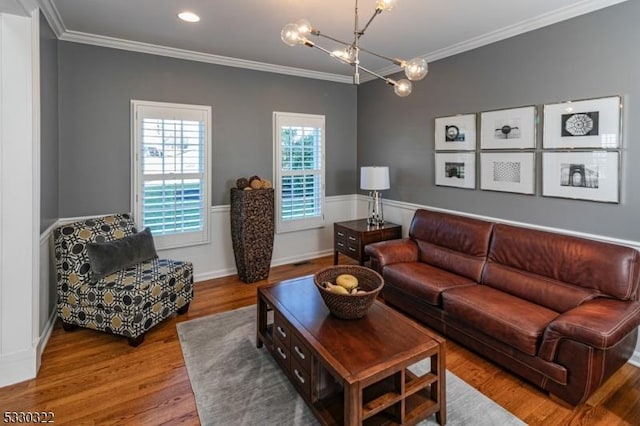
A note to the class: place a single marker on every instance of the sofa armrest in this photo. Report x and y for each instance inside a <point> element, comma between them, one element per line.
<point>600,323</point>
<point>392,251</point>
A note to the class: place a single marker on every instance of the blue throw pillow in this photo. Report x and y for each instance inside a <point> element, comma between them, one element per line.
<point>107,258</point>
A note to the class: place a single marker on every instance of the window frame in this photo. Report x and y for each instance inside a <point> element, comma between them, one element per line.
<point>181,239</point>
<point>297,119</point>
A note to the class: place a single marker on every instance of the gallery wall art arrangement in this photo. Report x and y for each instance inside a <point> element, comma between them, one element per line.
<point>580,150</point>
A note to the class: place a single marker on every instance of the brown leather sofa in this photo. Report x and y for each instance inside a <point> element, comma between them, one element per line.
<point>559,311</point>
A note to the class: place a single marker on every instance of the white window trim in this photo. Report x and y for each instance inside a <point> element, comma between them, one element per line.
<point>165,242</point>
<point>302,120</point>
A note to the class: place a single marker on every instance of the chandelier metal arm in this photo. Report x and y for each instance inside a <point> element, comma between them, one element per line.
<point>361,32</point>
<point>394,60</point>
<point>319,34</point>
<point>368,71</point>
<point>375,74</point>
<point>328,52</point>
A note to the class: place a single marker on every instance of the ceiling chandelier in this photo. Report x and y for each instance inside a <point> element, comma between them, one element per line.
<point>415,69</point>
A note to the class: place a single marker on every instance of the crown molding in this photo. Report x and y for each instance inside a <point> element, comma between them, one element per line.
<point>135,46</point>
<point>522,27</point>
<point>52,16</point>
<point>55,20</point>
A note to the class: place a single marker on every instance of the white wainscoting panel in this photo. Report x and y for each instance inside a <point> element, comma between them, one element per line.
<point>216,259</point>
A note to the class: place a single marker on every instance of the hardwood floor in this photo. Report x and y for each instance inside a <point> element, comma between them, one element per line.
<point>89,377</point>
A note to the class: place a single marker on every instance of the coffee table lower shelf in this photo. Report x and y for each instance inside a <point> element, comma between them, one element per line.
<point>384,406</point>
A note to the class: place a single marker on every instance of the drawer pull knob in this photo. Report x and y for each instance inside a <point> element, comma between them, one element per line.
<point>352,238</point>
<point>281,331</point>
<point>340,234</point>
<point>298,375</point>
<point>352,249</point>
<point>299,352</point>
<point>281,352</point>
<point>340,244</point>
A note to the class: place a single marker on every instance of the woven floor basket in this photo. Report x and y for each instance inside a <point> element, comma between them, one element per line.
<point>349,306</point>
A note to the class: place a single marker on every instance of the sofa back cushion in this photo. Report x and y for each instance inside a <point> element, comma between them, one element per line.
<point>559,271</point>
<point>454,243</point>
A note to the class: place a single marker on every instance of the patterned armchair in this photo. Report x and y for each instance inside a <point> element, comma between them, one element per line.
<point>128,302</point>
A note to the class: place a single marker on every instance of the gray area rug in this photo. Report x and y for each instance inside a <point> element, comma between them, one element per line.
<point>237,384</point>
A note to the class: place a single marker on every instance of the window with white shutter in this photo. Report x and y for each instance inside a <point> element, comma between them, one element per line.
<point>171,149</point>
<point>299,170</point>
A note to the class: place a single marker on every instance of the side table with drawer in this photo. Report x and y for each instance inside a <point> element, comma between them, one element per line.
<point>350,237</point>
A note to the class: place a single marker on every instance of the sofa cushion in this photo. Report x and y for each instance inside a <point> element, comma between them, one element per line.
<point>423,281</point>
<point>606,268</point>
<point>547,292</point>
<point>507,318</point>
<point>454,243</point>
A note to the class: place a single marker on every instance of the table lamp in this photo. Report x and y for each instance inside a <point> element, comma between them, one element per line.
<point>374,179</point>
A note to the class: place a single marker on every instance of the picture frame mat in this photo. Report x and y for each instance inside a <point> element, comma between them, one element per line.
<point>526,165</point>
<point>466,122</point>
<point>523,117</point>
<point>605,163</point>
<point>469,161</point>
<point>609,124</point>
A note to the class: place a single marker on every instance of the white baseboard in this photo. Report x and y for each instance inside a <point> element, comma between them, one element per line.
<point>635,359</point>
<point>274,262</point>
<point>44,338</point>
<point>24,365</point>
<point>17,367</point>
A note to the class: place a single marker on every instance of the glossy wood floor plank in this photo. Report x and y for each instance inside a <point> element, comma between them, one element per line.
<point>92,378</point>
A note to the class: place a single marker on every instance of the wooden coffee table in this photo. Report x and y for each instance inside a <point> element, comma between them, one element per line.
<point>352,372</point>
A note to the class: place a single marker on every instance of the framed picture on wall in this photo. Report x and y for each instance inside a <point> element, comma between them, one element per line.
<point>508,128</point>
<point>508,171</point>
<point>456,169</point>
<point>592,123</point>
<point>456,133</point>
<point>593,176</point>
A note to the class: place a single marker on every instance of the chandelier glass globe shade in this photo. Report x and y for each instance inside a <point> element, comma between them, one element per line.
<point>403,88</point>
<point>416,69</point>
<point>290,35</point>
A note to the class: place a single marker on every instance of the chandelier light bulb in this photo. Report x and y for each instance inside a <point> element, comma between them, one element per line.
<point>386,4</point>
<point>402,88</point>
<point>304,27</point>
<point>416,69</point>
<point>290,35</point>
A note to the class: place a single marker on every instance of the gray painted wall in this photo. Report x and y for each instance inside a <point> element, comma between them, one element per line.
<point>594,55</point>
<point>48,125</point>
<point>97,84</point>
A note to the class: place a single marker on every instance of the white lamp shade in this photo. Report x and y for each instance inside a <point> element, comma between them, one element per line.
<point>374,178</point>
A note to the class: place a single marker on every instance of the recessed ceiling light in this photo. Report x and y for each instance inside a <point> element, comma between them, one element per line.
<point>188,16</point>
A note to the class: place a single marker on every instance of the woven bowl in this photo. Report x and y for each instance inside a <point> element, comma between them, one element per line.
<point>349,306</point>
